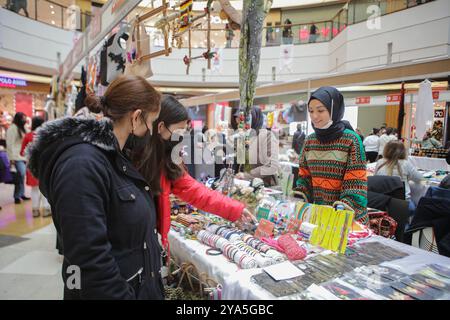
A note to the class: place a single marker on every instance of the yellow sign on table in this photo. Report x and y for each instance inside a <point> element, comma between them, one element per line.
<point>332,226</point>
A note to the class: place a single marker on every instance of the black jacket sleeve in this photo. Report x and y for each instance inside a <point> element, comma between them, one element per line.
<point>80,185</point>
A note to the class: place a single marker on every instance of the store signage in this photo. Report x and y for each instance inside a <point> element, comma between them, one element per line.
<point>435,95</point>
<point>95,26</point>
<point>393,98</point>
<point>439,113</point>
<point>117,4</point>
<point>7,82</point>
<point>363,100</point>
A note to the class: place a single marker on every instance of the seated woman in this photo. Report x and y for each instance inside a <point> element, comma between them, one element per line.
<point>332,163</point>
<point>428,142</point>
<point>160,166</point>
<point>261,155</point>
<point>395,163</point>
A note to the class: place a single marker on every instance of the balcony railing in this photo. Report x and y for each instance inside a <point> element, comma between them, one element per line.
<point>355,11</point>
<point>49,12</point>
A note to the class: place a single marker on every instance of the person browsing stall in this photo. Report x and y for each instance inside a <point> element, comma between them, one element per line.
<point>332,163</point>
<point>102,207</point>
<point>159,166</point>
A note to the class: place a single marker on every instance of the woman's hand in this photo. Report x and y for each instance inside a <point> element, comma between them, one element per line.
<point>246,221</point>
<point>240,175</point>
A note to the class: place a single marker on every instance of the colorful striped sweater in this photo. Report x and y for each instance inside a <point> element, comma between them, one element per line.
<point>335,173</point>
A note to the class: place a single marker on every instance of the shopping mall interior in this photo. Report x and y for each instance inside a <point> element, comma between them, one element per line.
<point>383,65</point>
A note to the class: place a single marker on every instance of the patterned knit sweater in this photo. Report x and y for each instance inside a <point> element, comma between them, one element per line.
<point>335,173</point>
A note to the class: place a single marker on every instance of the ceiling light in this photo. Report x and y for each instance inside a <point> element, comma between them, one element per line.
<point>51,6</point>
<point>53,12</point>
<point>53,21</point>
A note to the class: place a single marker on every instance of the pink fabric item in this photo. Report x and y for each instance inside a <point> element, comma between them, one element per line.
<point>291,247</point>
<point>273,243</point>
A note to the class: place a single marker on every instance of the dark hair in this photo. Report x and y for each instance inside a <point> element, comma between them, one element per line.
<point>156,159</point>
<point>299,126</point>
<point>256,114</point>
<point>125,94</point>
<point>375,131</point>
<point>233,123</point>
<point>389,131</point>
<point>20,120</point>
<point>393,152</point>
<point>36,122</point>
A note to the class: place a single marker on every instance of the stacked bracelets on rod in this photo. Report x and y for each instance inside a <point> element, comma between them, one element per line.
<point>263,261</point>
<point>263,247</point>
<point>228,249</point>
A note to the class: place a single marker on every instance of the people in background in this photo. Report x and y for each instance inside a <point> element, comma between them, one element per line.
<point>38,201</point>
<point>229,35</point>
<point>14,137</point>
<point>332,163</point>
<point>359,132</point>
<point>428,142</point>
<point>298,139</point>
<point>313,33</point>
<point>372,145</point>
<point>17,5</point>
<point>385,138</point>
<point>395,163</point>
<point>263,147</point>
<point>287,32</point>
<point>269,34</point>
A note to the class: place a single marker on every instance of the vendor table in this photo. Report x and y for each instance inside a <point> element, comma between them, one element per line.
<point>429,164</point>
<point>237,284</point>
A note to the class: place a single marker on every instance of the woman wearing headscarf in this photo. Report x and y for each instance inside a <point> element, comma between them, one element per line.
<point>332,163</point>
<point>261,154</point>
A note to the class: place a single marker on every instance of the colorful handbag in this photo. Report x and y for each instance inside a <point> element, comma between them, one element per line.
<point>382,224</point>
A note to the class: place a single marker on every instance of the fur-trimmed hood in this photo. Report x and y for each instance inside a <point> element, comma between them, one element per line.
<point>55,136</point>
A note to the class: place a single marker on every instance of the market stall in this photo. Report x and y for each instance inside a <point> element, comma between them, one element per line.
<point>298,250</point>
<point>238,283</point>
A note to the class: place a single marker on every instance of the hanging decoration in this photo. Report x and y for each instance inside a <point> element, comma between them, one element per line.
<point>253,15</point>
<point>185,23</point>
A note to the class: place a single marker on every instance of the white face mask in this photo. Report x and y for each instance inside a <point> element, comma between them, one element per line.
<point>330,122</point>
<point>327,125</point>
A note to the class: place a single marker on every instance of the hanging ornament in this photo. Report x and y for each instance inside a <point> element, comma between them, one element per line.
<point>186,60</point>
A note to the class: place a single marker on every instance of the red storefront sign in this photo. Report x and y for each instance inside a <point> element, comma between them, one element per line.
<point>362,100</point>
<point>435,95</point>
<point>393,98</point>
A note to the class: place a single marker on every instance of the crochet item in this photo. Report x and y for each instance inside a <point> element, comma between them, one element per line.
<point>291,247</point>
<point>335,171</point>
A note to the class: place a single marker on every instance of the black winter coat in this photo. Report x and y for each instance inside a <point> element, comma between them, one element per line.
<point>102,208</point>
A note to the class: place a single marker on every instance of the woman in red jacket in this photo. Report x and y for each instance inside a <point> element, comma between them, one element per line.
<point>36,195</point>
<point>165,176</point>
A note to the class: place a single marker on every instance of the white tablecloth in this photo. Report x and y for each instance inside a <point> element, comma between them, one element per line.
<point>429,164</point>
<point>237,283</point>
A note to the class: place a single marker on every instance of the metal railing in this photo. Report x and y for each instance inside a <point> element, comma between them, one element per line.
<point>355,11</point>
<point>49,12</point>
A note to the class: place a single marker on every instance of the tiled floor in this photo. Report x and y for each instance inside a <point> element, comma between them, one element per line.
<point>30,267</point>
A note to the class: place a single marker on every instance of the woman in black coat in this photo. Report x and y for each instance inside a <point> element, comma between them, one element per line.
<point>103,209</point>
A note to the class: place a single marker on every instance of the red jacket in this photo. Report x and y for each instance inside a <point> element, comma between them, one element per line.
<point>31,181</point>
<point>193,192</point>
